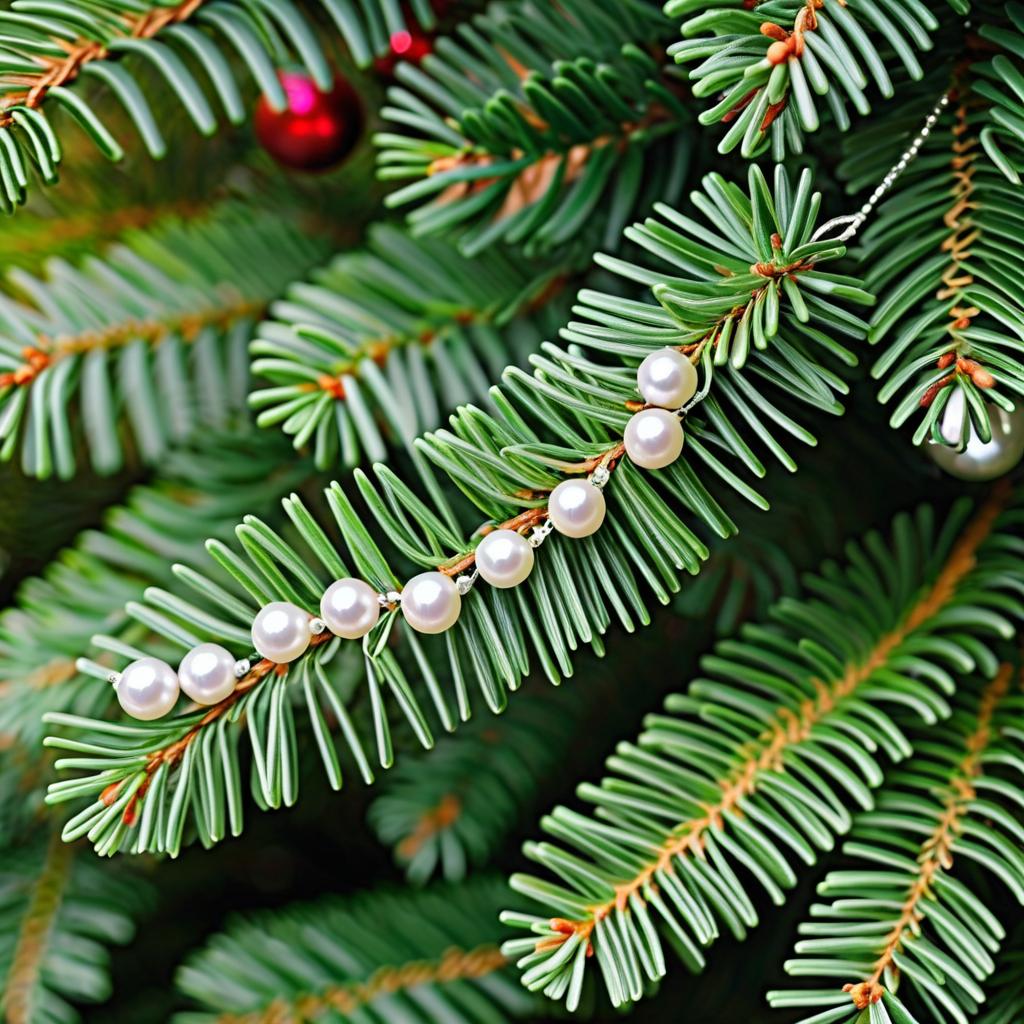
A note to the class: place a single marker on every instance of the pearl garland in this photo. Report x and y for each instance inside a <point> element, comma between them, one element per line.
<point>577,508</point>
<point>350,608</point>
<point>504,558</point>
<point>430,602</point>
<point>207,674</point>
<point>654,438</point>
<point>667,379</point>
<point>280,632</point>
<point>147,689</point>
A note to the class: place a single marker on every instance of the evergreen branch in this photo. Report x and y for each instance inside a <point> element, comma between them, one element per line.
<point>345,959</point>
<point>201,493</point>
<point>444,812</point>
<point>752,311</point>
<point>31,242</point>
<point>758,760</point>
<point>108,43</point>
<point>766,63</point>
<point>530,148</point>
<point>455,966</point>
<point>998,81</point>
<point>59,915</point>
<point>901,918</point>
<point>21,981</point>
<point>154,333</point>
<point>357,358</point>
<point>448,811</point>
<point>950,313</point>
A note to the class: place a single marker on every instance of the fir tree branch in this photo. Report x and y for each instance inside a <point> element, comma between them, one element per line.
<point>57,71</point>
<point>346,960</point>
<point>158,327</point>
<point>61,912</point>
<point>454,966</point>
<point>1006,1002</point>
<point>201,493</point>
<point>765,63</point>
<point>448,811</point>
<point>531,149</point>
<point>915,927</point>
<point>31,242</point>
<point>20,988</point>
<point>754,311</point>
<point>788,729</point>
<point>997,81</point>
<point>359,357</point>
<point>747,768</point>
<point>48,57</point>
<point>936,854</point>
<point>949,313</point>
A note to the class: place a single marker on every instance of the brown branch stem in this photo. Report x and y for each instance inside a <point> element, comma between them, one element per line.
<point>936,851</point>
<point>20,989</point>
<point>454,965</point>
<point>790,728</point>
<point>64,70</point>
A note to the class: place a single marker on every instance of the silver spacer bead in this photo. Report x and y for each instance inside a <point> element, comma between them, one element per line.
<point>317,626</point>
<point>465,583</point>
<point>539,534</point>
<point>242,668</point>
<point>389,598</point>
<point>114,678</point>
<point>600,476</point>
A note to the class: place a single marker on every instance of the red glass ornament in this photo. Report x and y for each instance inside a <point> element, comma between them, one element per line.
<point>317,130</point>
<point>405,46</point>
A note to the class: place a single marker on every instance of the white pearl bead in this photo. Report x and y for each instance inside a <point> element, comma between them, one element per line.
<point>431,602</point>
<point>147,689</point>
<point>280,632</point>
<point>980,460</point>
<point>504,558</point>
<point>207,674</point>
<point>350,607</point>
<point>654,438</point>
<point>666,378</point>
<point>576,508</point>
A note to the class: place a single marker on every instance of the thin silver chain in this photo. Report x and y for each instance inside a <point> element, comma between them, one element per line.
<point>852,222</point>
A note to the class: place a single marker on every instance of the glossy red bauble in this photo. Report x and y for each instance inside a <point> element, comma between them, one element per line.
<point>407,46</point>
<point>317,130</point>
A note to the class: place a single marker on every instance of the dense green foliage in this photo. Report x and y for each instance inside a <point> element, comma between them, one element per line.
<point>191,763</point>
<point>757,763</point>
<point>561,189</point>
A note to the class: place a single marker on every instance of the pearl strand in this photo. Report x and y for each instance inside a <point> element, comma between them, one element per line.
<point>431,601</point>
